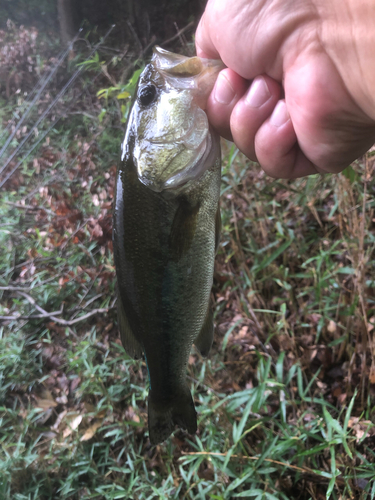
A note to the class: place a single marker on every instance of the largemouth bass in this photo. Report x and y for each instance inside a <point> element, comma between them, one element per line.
<point>166,231</point>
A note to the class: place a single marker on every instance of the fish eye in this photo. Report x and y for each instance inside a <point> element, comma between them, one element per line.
<point>147,95</point>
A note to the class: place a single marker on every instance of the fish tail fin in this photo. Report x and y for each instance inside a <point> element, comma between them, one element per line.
<point>162,420</point>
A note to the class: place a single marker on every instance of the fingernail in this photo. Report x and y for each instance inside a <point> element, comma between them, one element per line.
<point>224,92</point>
<point>258,93</point>
<point>280,114</point>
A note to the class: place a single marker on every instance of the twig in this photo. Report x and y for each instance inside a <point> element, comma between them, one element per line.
<point>183,40</point>
<point>91,285</point>
<point>37,95</point>
<point>136,38</point>
<point>61,321</point>
<point>26,262</point>
<point>64,322</point>
<point>74,232</point>
<point>43,115</point>
<point>179,33</point>
<point>92,300</point>
<point>16,288</point>
<point>207,387</point>
<point>29,207</point>
<point>32,316</point>
<point>57,119</point>
<point>10,288</point>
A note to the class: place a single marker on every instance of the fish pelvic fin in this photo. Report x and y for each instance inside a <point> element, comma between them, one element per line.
<point>181,412</point>
<point>204,340</point>
<point>131,345</point>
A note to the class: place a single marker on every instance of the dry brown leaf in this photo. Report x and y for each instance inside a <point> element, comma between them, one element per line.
<point>46,400</point>
<point>72,426</point>
<point>361,427</point>
<point>131,415</point>
<point>101,414</point>
<point>332,327</point>
<point>90,408</point>
<point>91,430</point>
<point>59,419</point>
<point>353,421</point>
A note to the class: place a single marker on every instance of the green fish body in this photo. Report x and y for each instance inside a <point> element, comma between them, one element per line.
<point>166,230</point>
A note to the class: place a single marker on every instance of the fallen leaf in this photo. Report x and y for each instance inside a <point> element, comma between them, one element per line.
<point>101,414</point>
<point>91,430</point>
<point>62,399</point>
<point>90,408</point>
<point>130,415</point>
<point>361,427</point>
<point>72,426</point>
<point>332,327</point>
<point>59,419</point>
<point>46,400</point>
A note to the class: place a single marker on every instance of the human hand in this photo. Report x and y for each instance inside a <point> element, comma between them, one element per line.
<point>298,95</point>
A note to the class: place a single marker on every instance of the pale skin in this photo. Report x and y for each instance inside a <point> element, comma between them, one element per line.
<point>298,94</point>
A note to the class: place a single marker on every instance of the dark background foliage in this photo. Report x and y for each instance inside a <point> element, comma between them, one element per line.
<point>149,18</point>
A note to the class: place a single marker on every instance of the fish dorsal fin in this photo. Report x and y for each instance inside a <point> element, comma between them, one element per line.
<point>183,229</point>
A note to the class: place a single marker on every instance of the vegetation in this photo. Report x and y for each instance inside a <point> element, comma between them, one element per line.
<point>286,400</point>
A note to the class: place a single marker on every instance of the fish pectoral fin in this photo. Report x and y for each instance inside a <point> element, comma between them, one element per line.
<point>204,340</point>
<point>183,229</point>
<point>131,345</point>
<point>162,420</point>
<point>217,227</point>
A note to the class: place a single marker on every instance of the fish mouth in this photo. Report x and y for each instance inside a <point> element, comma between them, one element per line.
<point>182,72</point>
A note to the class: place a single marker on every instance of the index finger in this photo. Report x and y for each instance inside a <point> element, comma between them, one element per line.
<point>203,42</point>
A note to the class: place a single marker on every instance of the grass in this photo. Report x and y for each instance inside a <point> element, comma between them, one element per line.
<point>286,400</point>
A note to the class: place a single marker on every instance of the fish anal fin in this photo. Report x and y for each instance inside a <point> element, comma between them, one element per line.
<point>183,229</point>
<point>131,345</point>
<point>162,419</point>
<point>204,340</point>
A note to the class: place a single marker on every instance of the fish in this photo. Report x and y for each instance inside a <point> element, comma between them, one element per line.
<point>166,229</point>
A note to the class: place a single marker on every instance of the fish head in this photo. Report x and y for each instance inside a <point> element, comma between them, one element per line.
<point>172,139</point>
